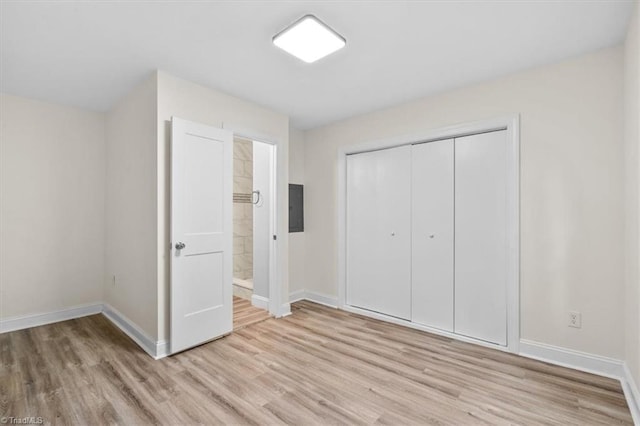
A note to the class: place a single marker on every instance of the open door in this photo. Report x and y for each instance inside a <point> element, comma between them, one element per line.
<point>201,234</point>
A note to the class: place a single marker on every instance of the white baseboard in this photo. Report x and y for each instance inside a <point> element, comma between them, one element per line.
<point>631,393</point>
<point>149,345</point>
<point>595,364</point>
<point>28,321</point>
<point>260,301</point>
<point>162,349</point>
<point>322,299</point>
<point>296,296</point>
<point>312,296</point>
<point>285,310</point>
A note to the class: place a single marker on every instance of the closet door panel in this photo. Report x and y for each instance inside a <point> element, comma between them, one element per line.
<point>480,236</point>
<point>432,234</point>
<point>378,231</point>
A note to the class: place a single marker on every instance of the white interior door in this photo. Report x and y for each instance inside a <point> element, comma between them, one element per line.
<point>379,231</point>
<point>201,233</point>
<point>481,244</point>
<point>432,234</point>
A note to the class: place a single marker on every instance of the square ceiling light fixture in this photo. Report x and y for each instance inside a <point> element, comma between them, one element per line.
<point>309,39</point>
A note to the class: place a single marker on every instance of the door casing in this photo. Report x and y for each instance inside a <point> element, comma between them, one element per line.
<point>276,307</point>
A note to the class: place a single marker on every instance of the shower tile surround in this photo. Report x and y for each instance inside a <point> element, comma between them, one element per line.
<point>242,212</point>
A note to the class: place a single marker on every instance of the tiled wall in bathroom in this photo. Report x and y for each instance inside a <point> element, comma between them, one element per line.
<point>242,211</point>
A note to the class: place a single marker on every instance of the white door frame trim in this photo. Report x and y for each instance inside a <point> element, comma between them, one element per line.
<point>510,123</point>
<point>276,308</point>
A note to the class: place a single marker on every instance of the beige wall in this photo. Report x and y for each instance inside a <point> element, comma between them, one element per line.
<point>296,239</point>
<point>190,101</point>
<point>52,177</point>
<point>131,207</point>
<point>576,253</point>
<point>632,188</point>
<point>571,190</point>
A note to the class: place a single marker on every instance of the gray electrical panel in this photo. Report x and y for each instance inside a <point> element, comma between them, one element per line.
<point>296,211</point>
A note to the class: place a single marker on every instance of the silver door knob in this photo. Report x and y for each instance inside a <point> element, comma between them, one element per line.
<point>393,234</point>
<point>431,236</point>
<point>180,246</point>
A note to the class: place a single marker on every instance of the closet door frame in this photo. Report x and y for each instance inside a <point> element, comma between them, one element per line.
<point>510,123</point>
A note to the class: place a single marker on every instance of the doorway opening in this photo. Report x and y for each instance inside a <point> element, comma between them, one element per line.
<point>253,197</point>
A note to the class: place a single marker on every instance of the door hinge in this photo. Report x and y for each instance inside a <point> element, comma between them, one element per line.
<point>275,238</point>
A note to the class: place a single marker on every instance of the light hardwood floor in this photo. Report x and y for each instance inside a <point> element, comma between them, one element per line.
<point>318,366</point>
<point>245,314</point>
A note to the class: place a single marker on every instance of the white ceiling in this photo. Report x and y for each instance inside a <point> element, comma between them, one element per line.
<point>89,54</point>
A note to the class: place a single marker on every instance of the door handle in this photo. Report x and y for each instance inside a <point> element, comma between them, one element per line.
<point>180,246</point>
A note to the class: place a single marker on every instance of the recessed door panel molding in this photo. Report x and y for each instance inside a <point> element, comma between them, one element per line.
<point>481,236</point>
<point>378,231</point>
<point>432,234</point>
<point>201,234</point>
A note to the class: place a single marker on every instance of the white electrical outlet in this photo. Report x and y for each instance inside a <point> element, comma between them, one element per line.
<point>575,319</point>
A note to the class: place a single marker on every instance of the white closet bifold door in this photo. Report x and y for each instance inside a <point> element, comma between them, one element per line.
<point>378,231</point>
<point>432,234</point>
<point>480,236</point>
